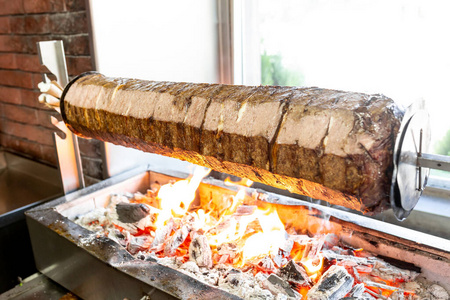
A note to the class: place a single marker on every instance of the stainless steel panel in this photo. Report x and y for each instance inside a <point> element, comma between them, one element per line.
<point>23,182</point>
<point>36,287</point>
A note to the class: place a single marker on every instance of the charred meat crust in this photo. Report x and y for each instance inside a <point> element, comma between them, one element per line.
<point>330,145</point>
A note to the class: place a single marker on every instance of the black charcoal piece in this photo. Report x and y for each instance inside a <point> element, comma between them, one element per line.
<point>131,212</point>
<point>294,273</point>
<point>281,284</point>
<point>335,283</point>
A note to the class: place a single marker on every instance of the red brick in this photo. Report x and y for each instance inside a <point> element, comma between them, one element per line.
<point>69,23</point>
<point>27,62</point>
<point>30,98</point>
<point>48,154</point>
<point>42,6</point>
<point>43,118</point>
<point>11,7</point>
<point>17,24</point>
<point>10,95</point>
<point>4,25</point>
<point>16,78</point>
<point>3,137</point>
<point>7,140</point>
<point>29,44</point>
<point>11,43</point>
<point>20,114</point>
<point>8,61</point>
<point>75,44</point>
<point>77,65</point>
<point>30,149</point>
<point>34,24</point>
<point>76,5</point>
<point>30,132</point>
<point>37,24</point>
<point>36,79</point>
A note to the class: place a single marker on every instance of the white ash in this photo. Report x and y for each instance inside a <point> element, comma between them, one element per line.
<point>438,292</point>
<point>161,234</point>
<point>191,267</point>
<point>103,222</point>
<point>391,273</point>
<point>176,240</point>
<point>398,295</point>
<point>243,285</point>
<point>97,216</point>
<point>171,261</point>
<point>426,290</point>
<point>139,243</point>
<point>88,240</point>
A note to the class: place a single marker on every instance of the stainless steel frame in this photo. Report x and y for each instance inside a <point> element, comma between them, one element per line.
<point>51,55</point>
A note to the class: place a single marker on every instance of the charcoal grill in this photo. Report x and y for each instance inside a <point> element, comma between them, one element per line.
<point>96,268</point>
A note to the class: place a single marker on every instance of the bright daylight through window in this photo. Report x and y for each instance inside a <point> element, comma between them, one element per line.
<point>394,47</point>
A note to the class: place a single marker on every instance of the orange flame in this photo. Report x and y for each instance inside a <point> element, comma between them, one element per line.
<point>176,197</point>
<point>313,267</point>
<point>269,240</point>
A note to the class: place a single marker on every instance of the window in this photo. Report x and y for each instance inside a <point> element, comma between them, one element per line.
<point>395,47</point>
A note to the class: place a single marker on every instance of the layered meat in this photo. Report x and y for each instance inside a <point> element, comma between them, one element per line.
<point>330,145</point>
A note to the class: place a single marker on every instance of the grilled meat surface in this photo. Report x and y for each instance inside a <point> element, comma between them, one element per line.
<point>330,145</point>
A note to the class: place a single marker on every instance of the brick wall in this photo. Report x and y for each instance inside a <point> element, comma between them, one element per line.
<point>24,122</point>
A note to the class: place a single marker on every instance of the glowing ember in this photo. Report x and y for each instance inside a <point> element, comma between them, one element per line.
<point>313,266</point>
<point>245,245</point>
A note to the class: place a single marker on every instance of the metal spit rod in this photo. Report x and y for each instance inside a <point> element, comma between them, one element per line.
<point>434,161</point>
<point>51,55</point>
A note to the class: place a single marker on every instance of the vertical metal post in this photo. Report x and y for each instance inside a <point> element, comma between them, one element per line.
<point>226,41</point>
<point>51,54</point>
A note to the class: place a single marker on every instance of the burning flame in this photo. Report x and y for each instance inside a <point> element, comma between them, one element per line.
<point>175,198</point>
<point>251,233</point>
<point>269,239</point>
<point>313,267</point>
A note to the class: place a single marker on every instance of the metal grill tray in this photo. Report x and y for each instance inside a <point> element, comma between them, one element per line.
<point>104,269</point>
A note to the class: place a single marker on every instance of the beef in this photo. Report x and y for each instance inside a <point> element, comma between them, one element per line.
<point>330,145</point>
